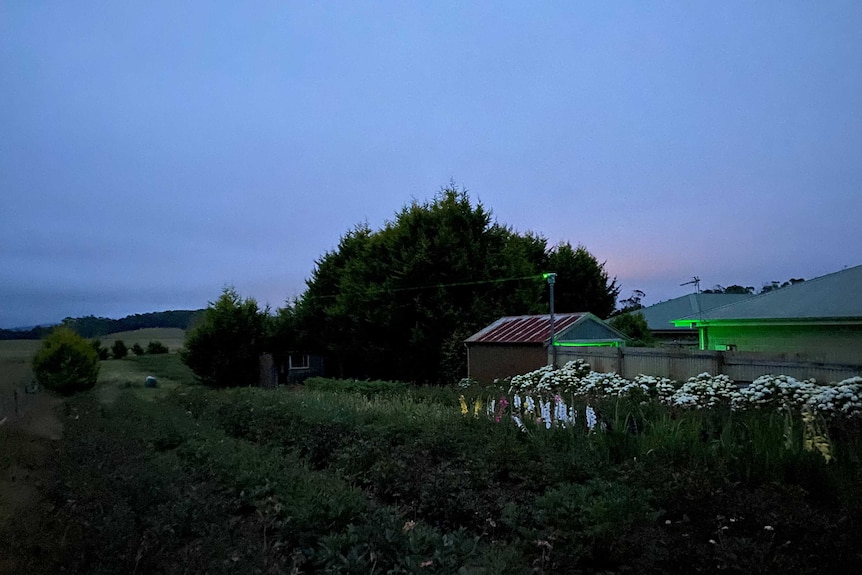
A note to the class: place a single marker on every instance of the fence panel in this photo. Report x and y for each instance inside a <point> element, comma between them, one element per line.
<point>680,364</point>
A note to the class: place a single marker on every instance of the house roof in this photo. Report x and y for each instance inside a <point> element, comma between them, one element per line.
<point>660,316</point>
<point>836,296</point>
<point>524,328</point>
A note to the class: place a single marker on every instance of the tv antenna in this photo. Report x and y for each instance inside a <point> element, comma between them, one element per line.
<point>696,281</point>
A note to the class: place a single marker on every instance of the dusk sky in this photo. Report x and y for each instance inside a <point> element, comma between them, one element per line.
<point>152,153</point>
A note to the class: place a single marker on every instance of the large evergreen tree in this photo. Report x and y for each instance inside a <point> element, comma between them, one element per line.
<point>399,302</point>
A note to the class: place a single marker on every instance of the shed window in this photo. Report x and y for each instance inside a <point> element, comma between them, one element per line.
<point>298,361</point>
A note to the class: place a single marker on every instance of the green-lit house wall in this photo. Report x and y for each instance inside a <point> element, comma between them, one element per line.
<point>817,320</point>
<point>811,341</point>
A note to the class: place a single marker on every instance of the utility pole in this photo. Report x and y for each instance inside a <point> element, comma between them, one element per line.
<point>552,278</point>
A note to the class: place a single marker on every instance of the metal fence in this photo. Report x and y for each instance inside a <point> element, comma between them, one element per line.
<point>679,364</point>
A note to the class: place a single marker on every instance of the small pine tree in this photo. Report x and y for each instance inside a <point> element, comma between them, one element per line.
<point>119,349</point>
<point>102,352</point>
<point>224,349</point>
<point>137,349</point>
<point>156,347</point>
<point>66,362</point>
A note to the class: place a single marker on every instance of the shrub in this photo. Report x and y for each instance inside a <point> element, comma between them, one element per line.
<point>156,347</point>
<point>366,388</point>
<point>66,362</point>
<point>119,349</point>
<point>224,349</point>
<point>634,325</point>
<point>137,349</point>
<point>101,352</point>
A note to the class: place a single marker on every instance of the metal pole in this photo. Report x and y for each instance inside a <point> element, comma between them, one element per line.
<point>552,277</point>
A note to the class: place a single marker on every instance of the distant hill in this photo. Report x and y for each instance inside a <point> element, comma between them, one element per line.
<point>92,326</point>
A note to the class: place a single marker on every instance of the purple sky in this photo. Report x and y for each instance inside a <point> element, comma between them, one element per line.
<point>151,154</point>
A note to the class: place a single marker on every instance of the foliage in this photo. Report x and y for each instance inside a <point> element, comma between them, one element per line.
<point>102,352</point>
<point>66,362</point>
<point>631,303</point>
<point>774,285</point>
<point>156,347</point>
<point>303,481</point>
<point>366,388</point>
<point>119,349</point>
<point>634,325</point>
<point>582,282</point>
<point>437,273</point>
<point>733,289</point>
<point>137,349</point>
<point>224,349</point>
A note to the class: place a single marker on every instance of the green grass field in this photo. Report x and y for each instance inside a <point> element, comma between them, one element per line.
<point>15,369</point>
<point>15,373</point>
<point>131,373</point>
<point>172,337</point>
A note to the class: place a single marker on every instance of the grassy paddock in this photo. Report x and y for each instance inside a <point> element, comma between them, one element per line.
<point>16,371</point>
<point>131,373</point>
<point>172,337</point>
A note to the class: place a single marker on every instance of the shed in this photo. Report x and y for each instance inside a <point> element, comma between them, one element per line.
<point>816,320</point>
<point>513,345</point>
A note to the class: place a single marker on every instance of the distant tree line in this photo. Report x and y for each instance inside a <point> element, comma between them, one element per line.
<point>767,287</point>
<point>91,326</point>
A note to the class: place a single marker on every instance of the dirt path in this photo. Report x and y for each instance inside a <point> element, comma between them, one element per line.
<point>27,447</point>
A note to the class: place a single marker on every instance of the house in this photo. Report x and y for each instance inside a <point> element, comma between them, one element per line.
<point>290,368</point>
<point>514,345</point>
<point>817,320</point>
<point>659,317</point>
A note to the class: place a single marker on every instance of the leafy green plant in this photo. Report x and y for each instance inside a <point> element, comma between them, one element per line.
<point>66,362</point>
<point>591,520</point>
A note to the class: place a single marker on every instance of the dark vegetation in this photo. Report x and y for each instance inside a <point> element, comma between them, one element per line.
<point>66,362</point>
<point>398,303</point>
<point>102,352</point>
<point>119,349</point>
<point>427,280</point>
<point>634,325</point>
<point>376,476</point>
<point>156,348</point>
<point>224,349</point>
<point>767,287</point>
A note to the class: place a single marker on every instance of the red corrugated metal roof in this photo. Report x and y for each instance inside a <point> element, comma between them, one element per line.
<point>524,328</point>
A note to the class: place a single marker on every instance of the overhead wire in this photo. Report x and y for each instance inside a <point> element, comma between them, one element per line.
<point>375,290</point>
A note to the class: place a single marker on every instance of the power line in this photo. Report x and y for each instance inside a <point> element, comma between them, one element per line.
<point>374,290</point>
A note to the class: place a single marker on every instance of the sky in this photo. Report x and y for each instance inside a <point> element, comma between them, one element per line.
<point>152,153</point>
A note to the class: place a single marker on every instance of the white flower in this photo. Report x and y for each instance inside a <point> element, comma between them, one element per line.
<point>591,418</point>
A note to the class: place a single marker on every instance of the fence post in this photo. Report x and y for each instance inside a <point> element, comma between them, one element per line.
<point>17,414</point>
<point>620,362</point>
